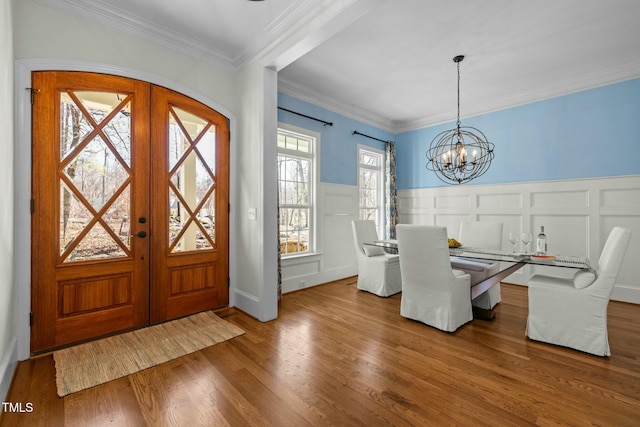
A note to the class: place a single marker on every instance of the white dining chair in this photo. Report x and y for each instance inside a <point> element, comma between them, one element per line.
<point>432,292</point>
<point>481,234</point>
<point>378,271</point>
<point>573,312</point>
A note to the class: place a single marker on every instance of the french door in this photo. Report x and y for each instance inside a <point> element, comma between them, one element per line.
<point>130,206</point>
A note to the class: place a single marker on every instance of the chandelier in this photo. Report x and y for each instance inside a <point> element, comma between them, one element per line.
<point>461,154</point>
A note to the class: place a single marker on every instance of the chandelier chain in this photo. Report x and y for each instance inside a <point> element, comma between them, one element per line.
<point>458,122</point>
<point>461,154</point>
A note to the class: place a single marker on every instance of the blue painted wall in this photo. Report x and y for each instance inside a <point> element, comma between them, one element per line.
<point>338,145</point>
<point>593,133</point>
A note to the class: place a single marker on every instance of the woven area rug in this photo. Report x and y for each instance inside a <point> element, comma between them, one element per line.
<point>107,359</point>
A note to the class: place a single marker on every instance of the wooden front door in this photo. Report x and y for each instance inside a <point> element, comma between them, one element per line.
<point>190,201</point>
<point>130,218</point>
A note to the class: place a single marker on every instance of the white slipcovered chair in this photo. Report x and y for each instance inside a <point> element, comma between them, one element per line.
<point>479,234</point>
<point>378,271</point>
<point>432,292</point>
<point>573,312</point>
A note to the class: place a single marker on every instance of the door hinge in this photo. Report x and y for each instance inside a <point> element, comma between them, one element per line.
<point>31,318</point>
<point>229,208</point>
<point>228,282</point>
<point>32,205</point>
<point>32,91</point>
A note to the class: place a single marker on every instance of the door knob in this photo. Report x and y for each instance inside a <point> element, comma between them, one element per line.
<point>140,234</point>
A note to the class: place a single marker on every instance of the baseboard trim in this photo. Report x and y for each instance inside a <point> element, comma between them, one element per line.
<point>310,280</point>
<point>625,293</point>
<point>8,367</point>
<point>247,303</point>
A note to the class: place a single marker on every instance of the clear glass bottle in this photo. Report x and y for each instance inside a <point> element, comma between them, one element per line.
<point>541,242</point>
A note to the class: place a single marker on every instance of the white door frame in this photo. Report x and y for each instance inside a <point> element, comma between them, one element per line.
<point>22,176</point>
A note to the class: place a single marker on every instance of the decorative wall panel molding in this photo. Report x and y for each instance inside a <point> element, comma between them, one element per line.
<point>334,257</point>
<point>577,215</point>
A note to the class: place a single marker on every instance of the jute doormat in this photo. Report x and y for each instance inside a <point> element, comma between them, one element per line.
<point>107,359</point>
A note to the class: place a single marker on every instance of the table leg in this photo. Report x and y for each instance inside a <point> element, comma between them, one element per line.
<point>482,287</point>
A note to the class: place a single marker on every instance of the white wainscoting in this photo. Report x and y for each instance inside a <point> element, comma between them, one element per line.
<point>577,216</point>
<point>335,255</point>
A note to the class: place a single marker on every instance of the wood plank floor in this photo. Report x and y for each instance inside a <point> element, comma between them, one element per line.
<point>339,356</point>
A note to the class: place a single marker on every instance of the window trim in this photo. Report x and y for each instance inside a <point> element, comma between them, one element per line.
<point>381,190</point>
<point>381,218</point>
<point>314,183</point>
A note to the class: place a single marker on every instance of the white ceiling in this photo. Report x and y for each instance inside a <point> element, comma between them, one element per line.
<point>389,62</point>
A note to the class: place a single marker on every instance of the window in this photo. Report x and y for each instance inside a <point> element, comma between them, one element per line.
<point>371,185</point>
<point>296,189</point>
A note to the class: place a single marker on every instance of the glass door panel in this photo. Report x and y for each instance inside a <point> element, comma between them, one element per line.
<point>192,182</point>
<point>95,136</point>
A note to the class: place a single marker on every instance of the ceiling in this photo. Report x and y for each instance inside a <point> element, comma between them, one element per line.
<point>389,62</point>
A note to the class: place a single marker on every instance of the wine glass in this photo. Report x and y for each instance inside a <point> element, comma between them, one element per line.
<point>513,238</point>
<point>526,239</point>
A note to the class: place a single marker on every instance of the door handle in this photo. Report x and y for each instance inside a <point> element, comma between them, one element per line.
<point>140,234</point>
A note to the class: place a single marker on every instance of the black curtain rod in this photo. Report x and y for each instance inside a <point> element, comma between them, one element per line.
<point>355,132</point>
<point>308,117</point>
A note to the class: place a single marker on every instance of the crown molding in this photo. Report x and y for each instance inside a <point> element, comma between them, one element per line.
<point>611,75</point>
<point>288,19</point>
<point>122,21</point>
<point>301,14</point>
<point>292,26</point>
<point>304,93</point>
<point>310,29</point>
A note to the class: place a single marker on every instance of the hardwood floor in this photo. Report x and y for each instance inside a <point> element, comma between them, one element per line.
<point>339,356</point>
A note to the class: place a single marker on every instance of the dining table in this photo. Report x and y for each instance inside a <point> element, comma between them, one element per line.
<point>510,262</point>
